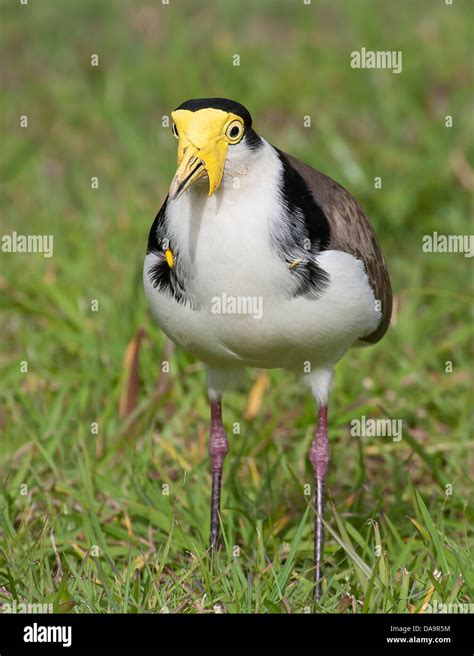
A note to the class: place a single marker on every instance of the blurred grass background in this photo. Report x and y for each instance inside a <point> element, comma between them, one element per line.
<point>395,538</point>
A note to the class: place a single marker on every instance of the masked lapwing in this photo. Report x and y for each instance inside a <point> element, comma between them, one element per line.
<point>256,259</point>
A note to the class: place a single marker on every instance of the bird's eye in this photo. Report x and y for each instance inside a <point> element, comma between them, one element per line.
<point>175,131</point>
<point>235,131</point>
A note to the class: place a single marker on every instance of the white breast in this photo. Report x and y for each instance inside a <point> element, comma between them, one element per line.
<point>225,237</point>
<point>242,312</point>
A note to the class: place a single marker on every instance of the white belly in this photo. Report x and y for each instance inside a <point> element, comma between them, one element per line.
<point>279,332</point>
<point>242,313</point>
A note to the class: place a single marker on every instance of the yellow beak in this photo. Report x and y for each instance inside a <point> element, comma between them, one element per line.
<point>202,148</point>
<point>196,164</point>
<point>190,169</point>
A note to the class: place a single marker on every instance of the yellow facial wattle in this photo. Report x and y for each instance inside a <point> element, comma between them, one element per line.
<point>204,137</point>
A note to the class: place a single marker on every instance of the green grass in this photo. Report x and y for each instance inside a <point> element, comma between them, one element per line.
<point>394,537</point>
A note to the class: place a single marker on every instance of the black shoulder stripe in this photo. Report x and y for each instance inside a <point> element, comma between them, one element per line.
<point>159,273</point>
<point>311,280</point>
<point>298,197</point>
<point>303,232</point>
<point>161,276</point>
<point>157,228</point>
<point>166,280</point>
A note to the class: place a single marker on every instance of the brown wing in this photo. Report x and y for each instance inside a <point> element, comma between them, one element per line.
<point>352,233</point>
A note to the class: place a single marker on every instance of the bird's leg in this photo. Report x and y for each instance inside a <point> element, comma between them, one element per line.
<point>319,456</point>
<point>218,448</point>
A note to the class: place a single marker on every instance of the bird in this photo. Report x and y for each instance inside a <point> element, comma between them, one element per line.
<point>257,260</point>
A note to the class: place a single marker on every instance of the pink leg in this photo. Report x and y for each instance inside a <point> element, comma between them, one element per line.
<point>319,456</point>
<point>218,449</point>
